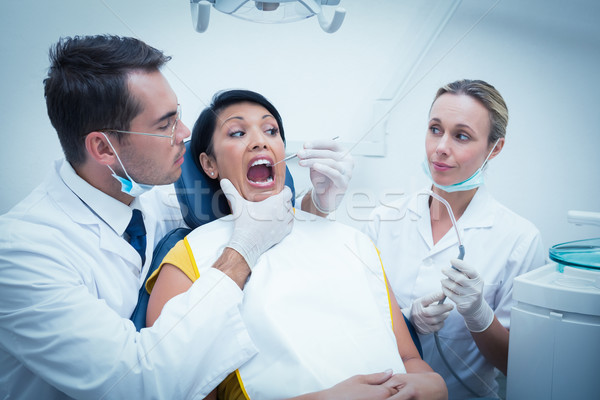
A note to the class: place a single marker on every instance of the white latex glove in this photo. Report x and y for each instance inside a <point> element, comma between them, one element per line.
<point>258,225</point>
<point>465,288</point>
<point>427,315</point>
<point>330,171</point>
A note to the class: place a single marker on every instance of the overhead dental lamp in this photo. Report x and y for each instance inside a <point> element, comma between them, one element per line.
<point>268,11</point>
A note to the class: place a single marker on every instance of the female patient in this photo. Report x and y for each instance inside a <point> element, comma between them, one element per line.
<point>317,304</point>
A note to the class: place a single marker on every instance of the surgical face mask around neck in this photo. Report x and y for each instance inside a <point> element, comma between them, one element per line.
<point>128,186</point>
<point>473,182</point>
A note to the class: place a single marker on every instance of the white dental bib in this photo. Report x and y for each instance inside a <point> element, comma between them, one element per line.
<point>316,306</point>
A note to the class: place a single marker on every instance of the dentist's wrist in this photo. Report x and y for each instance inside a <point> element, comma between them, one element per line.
<point>315,202</point>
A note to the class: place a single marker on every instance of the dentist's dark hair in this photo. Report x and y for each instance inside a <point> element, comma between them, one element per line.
<point>488,96</point>
<point>204,128</point>
<point>86,88</point>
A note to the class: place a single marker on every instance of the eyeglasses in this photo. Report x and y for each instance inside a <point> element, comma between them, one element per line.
<point>171,136</point>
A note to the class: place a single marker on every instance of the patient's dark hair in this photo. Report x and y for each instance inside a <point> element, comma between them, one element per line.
<point>86,87</point>
<point>204,128</point>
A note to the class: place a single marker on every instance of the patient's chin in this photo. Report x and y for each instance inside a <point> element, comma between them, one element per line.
<point>260,195</point>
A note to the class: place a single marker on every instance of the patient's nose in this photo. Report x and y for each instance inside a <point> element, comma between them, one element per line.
<point>257,140</point>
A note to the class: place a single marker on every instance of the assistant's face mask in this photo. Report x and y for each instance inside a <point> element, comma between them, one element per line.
<point>128,186</point>
<point>473,182</point>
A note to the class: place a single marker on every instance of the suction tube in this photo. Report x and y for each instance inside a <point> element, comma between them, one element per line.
<point>461,255</point>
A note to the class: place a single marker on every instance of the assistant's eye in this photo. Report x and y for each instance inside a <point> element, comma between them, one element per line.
<point>434,130</point>
<point>462,137</point>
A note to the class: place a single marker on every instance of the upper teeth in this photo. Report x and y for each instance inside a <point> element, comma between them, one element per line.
<point>262,161</point>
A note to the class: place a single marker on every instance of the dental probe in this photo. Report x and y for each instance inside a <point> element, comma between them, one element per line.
<point>294,155</point>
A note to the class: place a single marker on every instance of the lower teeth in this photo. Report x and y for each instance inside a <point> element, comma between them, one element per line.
<point>268,180</point>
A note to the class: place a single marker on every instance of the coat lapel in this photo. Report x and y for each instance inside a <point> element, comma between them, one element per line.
<point>474,217</point>
<point>86,205</point>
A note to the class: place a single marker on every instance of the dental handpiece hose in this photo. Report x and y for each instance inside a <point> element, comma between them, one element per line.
<point>461,248</point>
<point>461,255</point>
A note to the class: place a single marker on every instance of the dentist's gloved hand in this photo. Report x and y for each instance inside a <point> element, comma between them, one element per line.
<point>465,288</point>
<point>427,315</point>
<point>330,171</point>
<point>258,225</point>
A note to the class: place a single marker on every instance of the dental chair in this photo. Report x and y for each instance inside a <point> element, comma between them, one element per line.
<point>200,204</point>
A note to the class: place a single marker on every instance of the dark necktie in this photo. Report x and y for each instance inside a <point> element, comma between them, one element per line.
<point>137,233</point>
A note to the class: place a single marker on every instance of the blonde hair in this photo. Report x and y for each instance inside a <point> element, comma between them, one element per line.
<point>487,95</point>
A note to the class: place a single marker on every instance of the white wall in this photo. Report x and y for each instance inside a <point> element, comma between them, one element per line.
<point>541,54</point>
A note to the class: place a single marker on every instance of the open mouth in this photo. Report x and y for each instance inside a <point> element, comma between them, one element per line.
<point>260,172</point>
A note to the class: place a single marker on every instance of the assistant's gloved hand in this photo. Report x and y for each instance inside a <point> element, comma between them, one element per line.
<point>427,315</point>
<point>258,225</point>
<point>330,171</point>
<point>465,288</point>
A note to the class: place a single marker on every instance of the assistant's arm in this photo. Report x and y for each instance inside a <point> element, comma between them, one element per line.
<point>465,288</point>
<point>493,344</point>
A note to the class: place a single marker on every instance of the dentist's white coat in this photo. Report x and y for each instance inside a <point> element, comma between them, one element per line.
<point>68,284</point>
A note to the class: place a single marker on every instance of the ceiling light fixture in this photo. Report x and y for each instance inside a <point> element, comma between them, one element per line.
<point>268,11</point>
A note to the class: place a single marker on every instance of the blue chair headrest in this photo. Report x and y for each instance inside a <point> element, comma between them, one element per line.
<point>198,201</point>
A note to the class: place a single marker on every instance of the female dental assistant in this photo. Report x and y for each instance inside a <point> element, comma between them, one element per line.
<point>418,245</point>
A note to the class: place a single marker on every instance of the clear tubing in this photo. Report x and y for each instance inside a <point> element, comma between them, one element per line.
<point>445,203</point>
<point>461,255</point>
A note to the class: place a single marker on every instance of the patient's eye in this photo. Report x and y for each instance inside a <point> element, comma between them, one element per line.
<point>237,133</point>
<point>272,131</point>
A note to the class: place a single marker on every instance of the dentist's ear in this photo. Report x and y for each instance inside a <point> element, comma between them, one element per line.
<point>209,165</point>
<point>98,148</point>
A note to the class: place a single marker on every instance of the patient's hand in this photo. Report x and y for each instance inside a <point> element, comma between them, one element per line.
<point>258,225</point>
<point>358,387</point>
<point>363,387</point>
<point>422,385</point>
